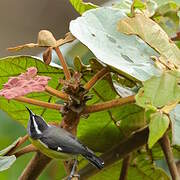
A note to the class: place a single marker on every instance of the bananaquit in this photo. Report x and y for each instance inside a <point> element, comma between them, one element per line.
<point>58,143</point>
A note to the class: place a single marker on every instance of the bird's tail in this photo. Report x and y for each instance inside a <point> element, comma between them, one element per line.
<point>96,161</point>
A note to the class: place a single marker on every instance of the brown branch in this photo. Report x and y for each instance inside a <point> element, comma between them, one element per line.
<point>57,93</point>
<point>63,63</point>
<point>38,102</point>
<point>95,78</point>
<point>125,166</point>
<point>35,167</point>
<point>21,141</point>
<point>108,104</point>
<point>134,142</point>
<point>26,149</point>
<point>166,147</point>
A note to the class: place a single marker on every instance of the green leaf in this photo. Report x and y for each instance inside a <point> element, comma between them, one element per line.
<point>7,149</point>
<point>128,55</point>
<point>81,6</point>
<point>166,16</point>
<point>157,127</point>
<point>175,118</point>
<point>97,128</point>
<point>124,5</point>
<point>145,169</point>
<point>129,118</point>
<point>6,162</point>
<point>160,91</point>
<point>138,4</point>
<point>154,36</point>
<point>13,66</point>
<point>141,168</point>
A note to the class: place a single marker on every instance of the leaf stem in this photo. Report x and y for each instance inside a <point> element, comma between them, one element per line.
<point>166,147</point>
<point>108,104</point>
<point>125,166</point>
<point>57,93</point>
<point>99,75</point>
<point>63,63</point>
<point>26,149</point>
<point>38,102</point>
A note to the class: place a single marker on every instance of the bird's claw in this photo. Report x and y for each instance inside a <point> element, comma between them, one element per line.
<point>76,176</point>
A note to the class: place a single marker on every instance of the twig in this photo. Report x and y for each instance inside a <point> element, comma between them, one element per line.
<point>26,149</point>
<point>35,167</point>
<point>63,63</point>
<point>57,93</point>
<point>38,103</point>
<point>95,78</point>
<point>125,166</point>
<point>166,147</point>
<point>22,140</point>
<point>119,151</point>
<point>108,104</point>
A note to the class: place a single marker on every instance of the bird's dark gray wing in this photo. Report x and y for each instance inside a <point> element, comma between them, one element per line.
<point>60,140</point>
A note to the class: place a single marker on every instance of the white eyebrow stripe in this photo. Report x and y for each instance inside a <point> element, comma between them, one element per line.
<point>36,126</point>
<point>59,149</point>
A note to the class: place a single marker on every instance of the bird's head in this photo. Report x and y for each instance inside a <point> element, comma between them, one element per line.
<point>36,125</point>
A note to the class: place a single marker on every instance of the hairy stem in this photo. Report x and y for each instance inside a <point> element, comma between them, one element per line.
<point>134,142</point>
<point>63,63</point>
<point>35,167</point>
<point>26,149</point>
<point>166,147</point>
<point>125,166</point>
<point>38,103</point>
<point>108,104</point>
<point>95,78</point>
<point>57,93</point>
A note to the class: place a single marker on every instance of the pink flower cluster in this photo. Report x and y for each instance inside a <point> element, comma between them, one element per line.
<point>24,83</point>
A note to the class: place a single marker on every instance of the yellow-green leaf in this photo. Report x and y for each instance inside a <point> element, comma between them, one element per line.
<point>155,36</point>
<point>157,127</point>
<point>81,6</point>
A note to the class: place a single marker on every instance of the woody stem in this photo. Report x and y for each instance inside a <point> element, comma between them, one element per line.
<point>166,147</point>
<point>21,141</point>
<point>63,63</point>
<point>56,93</point>
<point>38,102</point>
<point>99,75</point>
<point>26,149</point>
<point>108,104</point>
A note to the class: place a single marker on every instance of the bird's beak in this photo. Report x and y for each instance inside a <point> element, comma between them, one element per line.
<point>30,112</point>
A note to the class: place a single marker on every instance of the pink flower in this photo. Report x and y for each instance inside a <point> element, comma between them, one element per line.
<point>24,84</point>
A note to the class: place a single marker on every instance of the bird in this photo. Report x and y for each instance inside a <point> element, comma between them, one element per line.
<point>57,143</point>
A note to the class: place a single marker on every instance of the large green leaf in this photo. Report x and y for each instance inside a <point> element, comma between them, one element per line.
<point>158,125</point>
<point>96,128</point>
<point>154,36</point>
<point>81,6</point>
<point>167,17</point>
<point>129,118</point>
<point>13,66</point>
<point>141,168</point>
<point>129,55</point>
<point>160,91</point>
<point>145,169</point>
<point>175,118</point>
<point>6,162</point>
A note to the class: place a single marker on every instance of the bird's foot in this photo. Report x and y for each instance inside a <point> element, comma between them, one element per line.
<point>74,177</point>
